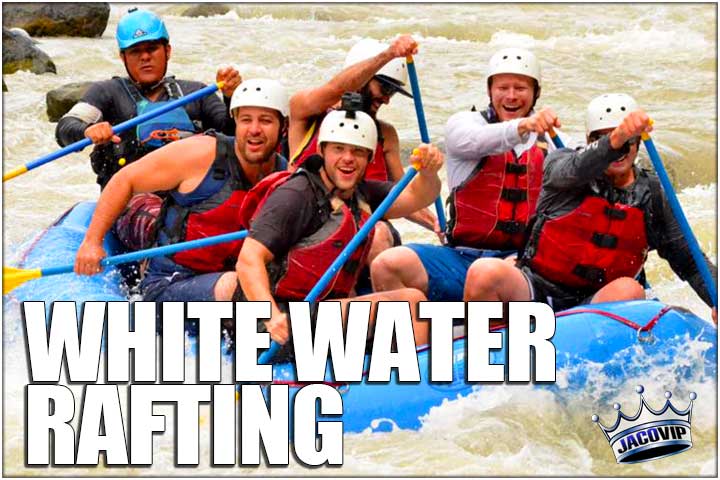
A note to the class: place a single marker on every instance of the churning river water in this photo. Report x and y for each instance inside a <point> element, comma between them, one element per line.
<point>665,55</point>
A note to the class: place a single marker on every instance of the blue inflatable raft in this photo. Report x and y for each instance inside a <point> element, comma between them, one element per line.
<point>618,340</point>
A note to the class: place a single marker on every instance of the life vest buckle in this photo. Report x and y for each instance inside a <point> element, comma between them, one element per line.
<point>510,227</point>
<point>514,195</point>
<point>604,240</point>
<point>590,273</point>
<point>615,213</point>
<point>516,168</point>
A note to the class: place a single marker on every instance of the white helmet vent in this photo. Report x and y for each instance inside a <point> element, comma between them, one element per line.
<point>261,93</point>
<point>608,111</point>
<point>336,127</point>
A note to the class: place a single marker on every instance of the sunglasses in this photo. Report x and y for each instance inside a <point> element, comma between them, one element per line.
<point>386,89</point>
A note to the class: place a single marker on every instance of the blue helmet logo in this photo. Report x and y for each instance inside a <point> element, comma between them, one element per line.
<point>140,26</point>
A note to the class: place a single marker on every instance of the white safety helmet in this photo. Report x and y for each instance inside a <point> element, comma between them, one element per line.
<point>338,127</point>
<point>394,73</point>
<point>608,111</point>
<point>514,60</point>
<point>261,92</point>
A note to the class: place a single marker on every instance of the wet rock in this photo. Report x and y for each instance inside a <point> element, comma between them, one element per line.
<point>206,10</point>
<point>57,19</point>
<point>61,100</point>
<point>20,53</point>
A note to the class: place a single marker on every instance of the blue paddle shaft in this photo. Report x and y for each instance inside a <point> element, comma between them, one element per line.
<point>424,135</point>
<point>126,125</point>
<point>557,141</point>
<point>349,249</point>
<point>155,252</point>
<point>681,219</point>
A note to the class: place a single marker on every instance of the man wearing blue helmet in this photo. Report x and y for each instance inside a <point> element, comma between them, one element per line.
<point>145,50</point>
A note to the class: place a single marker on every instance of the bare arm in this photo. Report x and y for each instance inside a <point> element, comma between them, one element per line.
<point>177,165</point>
<point>311,102</point>
<point>391,149</point>
<point>424,188</point>
<point>255,283</point>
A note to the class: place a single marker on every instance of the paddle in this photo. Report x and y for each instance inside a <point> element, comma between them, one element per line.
<point>14,277</point>
<point>555,138</point>
<point>680,217</point>
<point>397,189</point>
<point>424,135</point>
<point>119,128</point>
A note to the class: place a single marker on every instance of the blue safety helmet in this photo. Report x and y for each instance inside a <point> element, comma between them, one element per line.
<point>140,26</point>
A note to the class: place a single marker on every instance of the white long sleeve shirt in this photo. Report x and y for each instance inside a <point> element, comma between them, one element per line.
<point>469,137</point>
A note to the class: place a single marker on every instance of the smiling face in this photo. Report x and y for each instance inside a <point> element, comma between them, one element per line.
<point>344,166</point>
<point>257,133</point>
<point>146,62</point>
<point>512,96</point>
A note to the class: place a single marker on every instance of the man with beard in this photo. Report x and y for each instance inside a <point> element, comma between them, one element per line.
<point>376,71</point>
<point>598,216</point>
<point>495,169</point>
<point>207,177</point>
<point>145,50</point>
<point>289,249</point>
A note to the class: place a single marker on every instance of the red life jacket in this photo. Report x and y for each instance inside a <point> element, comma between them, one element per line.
<point>297,273</point>
<point>492,207</point>
<point>376,169</point>
<point>590,246</point>
<point>213,208</point>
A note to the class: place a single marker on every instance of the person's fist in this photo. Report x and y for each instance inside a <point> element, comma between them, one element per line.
<point>231,79</point>
<point>87,260</point>
<point>427,158</point>
<point>633,125</point>
<point>403,46</point>
<point>100,133</point>
<point>540,122</point>
<point>279,328</point>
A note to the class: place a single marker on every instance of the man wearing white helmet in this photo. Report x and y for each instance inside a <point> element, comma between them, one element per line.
<point>289,249</point>
<point>495,164</point>
<point>598,216</point>
<point>377,71</point>
<point>208,177</point>
<point>144,47</point>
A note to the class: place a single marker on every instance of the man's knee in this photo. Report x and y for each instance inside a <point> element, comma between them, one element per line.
<point>391,266</point>
<point>487,271</point>
<point>225,287</point>
<point>621,289</point>
<point>488,276</point>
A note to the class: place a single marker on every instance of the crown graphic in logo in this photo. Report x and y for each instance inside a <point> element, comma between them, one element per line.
<point>649,434</point>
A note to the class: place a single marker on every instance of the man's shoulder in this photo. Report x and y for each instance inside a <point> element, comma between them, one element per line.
<point>110,86</point>
<point>467,116</point>
<point>299,184</point>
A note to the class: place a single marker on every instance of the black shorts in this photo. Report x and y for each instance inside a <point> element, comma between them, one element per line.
<point>397,240</point>
<point>559,298</point>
